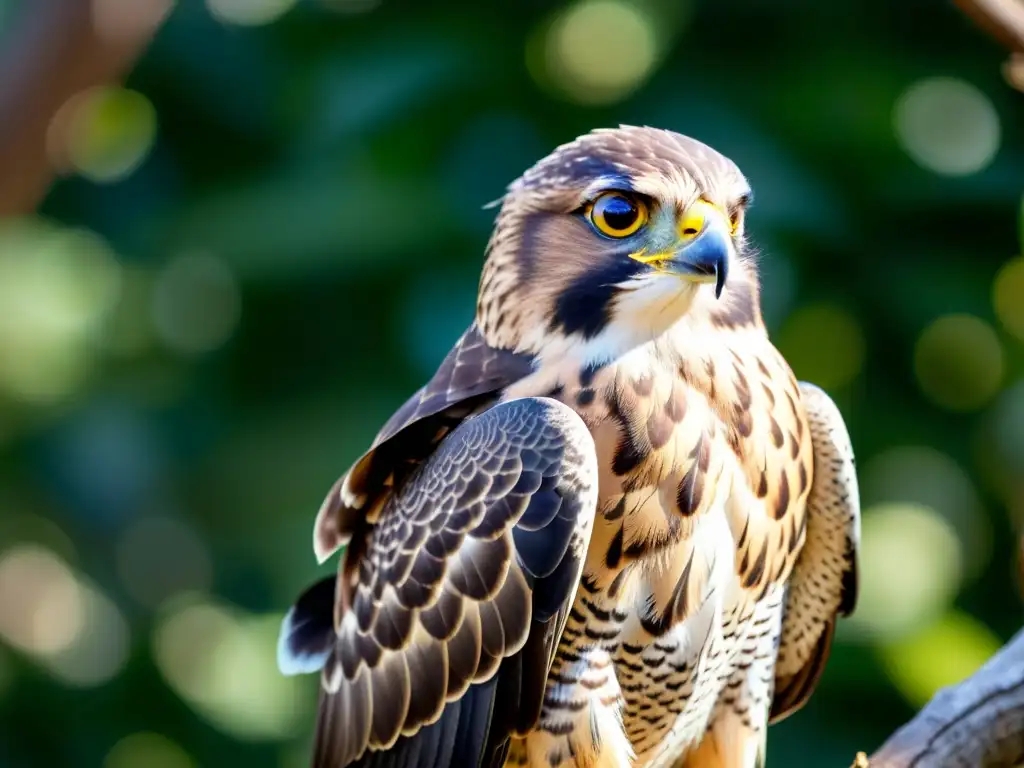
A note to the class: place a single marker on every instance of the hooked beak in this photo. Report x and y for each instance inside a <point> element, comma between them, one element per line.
<point>703,249</point>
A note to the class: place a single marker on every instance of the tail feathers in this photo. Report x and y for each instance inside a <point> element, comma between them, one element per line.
<point>307,632</point>
<point>793,691</point>
<point>458,738</point>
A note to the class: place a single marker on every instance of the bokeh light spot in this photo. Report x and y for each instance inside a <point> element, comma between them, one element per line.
<point>249,12</point>
<point>41,605</point>
<point>57,286</point>
<point>103,133</point>
<point>1008,296</point>
<point>959,362</point>
<point>824,344</point>
<point>944,653</point>
<point>147,750</point>
<point>183,639</point>
<point>910,570</point>
<point>159,556</point>
<point>925,476</point>
<point>599,51</point>
<point>223,663</point>
<point>67,626</point>
<point>947,126</point>
<point>196,303</point>
<point>100,650</point>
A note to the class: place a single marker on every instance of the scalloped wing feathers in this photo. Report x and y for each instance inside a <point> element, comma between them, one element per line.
<point>468,379</point>
<point>464,580</point>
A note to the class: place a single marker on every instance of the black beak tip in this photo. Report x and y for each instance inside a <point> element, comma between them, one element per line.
<point>706,257</point>
<point>722,273</point>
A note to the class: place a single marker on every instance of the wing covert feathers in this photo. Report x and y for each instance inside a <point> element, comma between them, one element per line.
<point>458,594</point>
<point>467,379</point>
<point>824,580</point>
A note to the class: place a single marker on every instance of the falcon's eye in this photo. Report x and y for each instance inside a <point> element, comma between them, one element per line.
<point>616,215</point>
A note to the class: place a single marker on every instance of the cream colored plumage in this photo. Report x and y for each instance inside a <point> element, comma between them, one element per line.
<point>613,529</point>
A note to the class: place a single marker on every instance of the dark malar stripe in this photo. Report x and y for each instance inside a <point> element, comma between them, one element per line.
<point>584,307</point>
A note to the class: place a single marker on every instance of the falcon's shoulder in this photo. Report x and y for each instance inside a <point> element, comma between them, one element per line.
<point>472,376</point>
<point>823,584</point>
<point>458,595</point>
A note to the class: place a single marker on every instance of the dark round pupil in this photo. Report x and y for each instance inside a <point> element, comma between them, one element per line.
<point>619,213</point>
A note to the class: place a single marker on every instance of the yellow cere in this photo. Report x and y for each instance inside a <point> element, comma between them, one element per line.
<point>693,221</point>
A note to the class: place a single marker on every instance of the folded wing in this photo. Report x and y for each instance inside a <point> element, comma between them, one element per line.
<point>457,598</point>
<point>824,580</point>
<point>470,378</point>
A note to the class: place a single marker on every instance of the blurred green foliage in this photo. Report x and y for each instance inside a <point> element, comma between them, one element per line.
<point>274,231</point>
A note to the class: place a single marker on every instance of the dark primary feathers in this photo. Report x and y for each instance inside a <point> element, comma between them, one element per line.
<point>462,585</point>
<point>307,632</point>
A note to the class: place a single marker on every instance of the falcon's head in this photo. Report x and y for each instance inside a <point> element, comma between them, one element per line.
<point>614,238</point>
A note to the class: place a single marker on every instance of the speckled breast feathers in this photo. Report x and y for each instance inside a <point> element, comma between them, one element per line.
<point>613,529</point>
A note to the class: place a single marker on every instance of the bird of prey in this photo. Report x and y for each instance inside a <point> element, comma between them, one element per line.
<point>613,529</point>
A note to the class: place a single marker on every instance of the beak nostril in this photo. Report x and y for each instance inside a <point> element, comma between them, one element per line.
<point>690,231</point>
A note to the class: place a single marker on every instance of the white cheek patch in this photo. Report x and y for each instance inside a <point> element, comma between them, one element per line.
<point>653,303</point>
<point>646,308</point>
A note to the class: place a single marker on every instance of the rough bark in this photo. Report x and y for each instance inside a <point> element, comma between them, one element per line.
<point>978,723</point>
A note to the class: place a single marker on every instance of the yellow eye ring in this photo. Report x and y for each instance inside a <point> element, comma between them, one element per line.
<point>615,214</point>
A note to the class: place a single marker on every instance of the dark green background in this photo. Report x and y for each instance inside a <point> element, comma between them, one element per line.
<point>334,166</point>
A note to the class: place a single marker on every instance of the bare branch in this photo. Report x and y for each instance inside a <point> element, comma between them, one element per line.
<point>60,48</point>
<point>1004,21</point>
<point>978,723</point>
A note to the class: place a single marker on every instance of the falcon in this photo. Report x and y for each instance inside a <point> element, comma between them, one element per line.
<point>613,529</point>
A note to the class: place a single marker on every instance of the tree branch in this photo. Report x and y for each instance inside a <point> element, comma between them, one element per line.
<point>59,48</point>
<point>978,723</point>
<point>1004,21</point>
